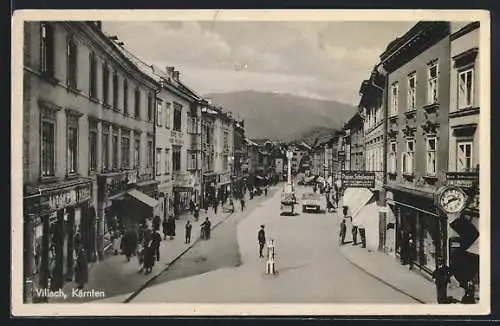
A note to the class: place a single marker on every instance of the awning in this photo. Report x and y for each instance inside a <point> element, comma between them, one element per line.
<point>474,248</point>
<point>355,199</point>
<point>143,198</point>
<point>367,218</point>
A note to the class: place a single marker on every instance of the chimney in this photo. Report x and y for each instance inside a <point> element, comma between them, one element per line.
<point>98,23</point>
<point>176,75</point>
<point>170,70</point>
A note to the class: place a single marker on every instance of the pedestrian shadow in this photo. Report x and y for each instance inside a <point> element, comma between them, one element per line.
<point>289,268</point>
<point>289,214</point>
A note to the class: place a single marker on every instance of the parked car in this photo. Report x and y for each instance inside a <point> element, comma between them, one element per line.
<point>311,201</point>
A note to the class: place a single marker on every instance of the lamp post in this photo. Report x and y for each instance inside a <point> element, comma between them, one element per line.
<point>289,156</point>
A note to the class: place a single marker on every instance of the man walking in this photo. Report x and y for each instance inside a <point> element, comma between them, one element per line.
<point>354,231</point>
<point>216,205</point>
<point>188,231</point>
<point>411,250</point>
<point>261,237</point>
<point>343,229</point>
<point>156,241</point>
<point>242,202</point>
<point>442,278</point>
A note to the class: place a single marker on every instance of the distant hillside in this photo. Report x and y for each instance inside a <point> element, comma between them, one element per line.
<point>283,117</point>
<point>310,135</point>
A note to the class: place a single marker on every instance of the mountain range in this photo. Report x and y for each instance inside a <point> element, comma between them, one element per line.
<point>284,117</point>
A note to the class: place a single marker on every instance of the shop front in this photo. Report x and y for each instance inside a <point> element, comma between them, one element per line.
<point>122,205</point>
<point>165,197</point>
<point>416,215</point>
<point>60,221</point>
<point>223,186</point>
<point>209,186</point>
<point>183,190</point>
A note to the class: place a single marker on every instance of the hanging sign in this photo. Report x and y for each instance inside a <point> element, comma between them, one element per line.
<point>358,179</point>
<point>63,199</point>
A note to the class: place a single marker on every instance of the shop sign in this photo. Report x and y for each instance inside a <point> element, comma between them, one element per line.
<point>113,185</point>
<point>176,138</point>
<point>462,179</point>
<point>358,179</point>
<point>184,180</point>
<point>63,199</point>
<point>83,193</point>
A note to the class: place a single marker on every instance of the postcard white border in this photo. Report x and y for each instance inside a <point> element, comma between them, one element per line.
<point>104,309</point>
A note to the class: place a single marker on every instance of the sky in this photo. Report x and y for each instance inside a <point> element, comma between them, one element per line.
<point>325,60</point>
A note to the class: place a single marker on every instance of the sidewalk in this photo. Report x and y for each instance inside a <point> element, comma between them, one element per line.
<point>389,271</point>
<point>115,276</point>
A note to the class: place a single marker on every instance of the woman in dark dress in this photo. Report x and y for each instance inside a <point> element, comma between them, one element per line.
<point>81,269</point>
<point>171,227</point>
<point>149,256</point>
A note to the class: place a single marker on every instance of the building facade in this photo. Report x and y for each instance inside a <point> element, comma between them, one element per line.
<point>87,147</point>
<point>357,143</point>
<point>209,180</point>
<point>417,66</point>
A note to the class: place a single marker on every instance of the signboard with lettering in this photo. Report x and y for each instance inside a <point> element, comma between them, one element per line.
<point>83,193</point>
<point>184,180</point>
<point>111,185</point>
<point>63,199</point>
<point>462,179</point>
<point>358,179</point>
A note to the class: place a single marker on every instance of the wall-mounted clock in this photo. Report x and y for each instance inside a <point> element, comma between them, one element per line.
<point>452,200</point>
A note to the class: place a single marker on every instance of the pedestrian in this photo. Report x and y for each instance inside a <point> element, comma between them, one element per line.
<point>354,231</point>
<point>206,227</point>
<point>156,222</point>
<point>116,242</point>
<point>205,205</point>
<point>164,225</point>
<point>188,231</point>
<point>81,269</point>
<point>343,229</point>
<point>216,205</point>
<point>149,260</point>
<point>362,235</point>
<point>470,290</point>
<point>441,275</point>
<point>261,237</point>
<point>265,191</point>
<point>140,256</point>
<point>242,202</point>
<point>411,250</point>
<point>126,246</point>
<point>231,205</point>
<point>156,241</point>
<point>196,212</point>
<point>171,227</point>
<point>140,233</point>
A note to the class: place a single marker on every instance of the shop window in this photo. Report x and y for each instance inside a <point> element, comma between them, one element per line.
<point>432,84</point>
<point>465,88</point>
<point>72,144</point>
<point>105,148</point>
<point>125,96</point>
<point>158,161</point>
<point>48,138</point>
<point>47,53</point>
<point>412,91</point>
<point>464,156</point>
<point>125,147</point>
<point>431,156</point>
<point>177,117</point>
<point>72,61</point>
<point>93,75</point>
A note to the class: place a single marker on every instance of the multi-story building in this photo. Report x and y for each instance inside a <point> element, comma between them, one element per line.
<point>464,143</point>
<point>209,180</point>
<point>418,71</point>
<point>240,170</point>
<point>88,143</point>
<point>356,143</point>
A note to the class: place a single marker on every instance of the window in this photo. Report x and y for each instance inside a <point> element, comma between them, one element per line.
<point>176,158</point>
<point>394,98</point>
<point>464,156</point>
<point>158,161</point>
<point>72,143</point>
<point>115,151</point>
<point>407,158</point>
<point>226,145</point>
<point>115,90</point>
<point>431,156</point>
<point>191,161</point>
<point>150,154</point>
<point>93,76</point>
<point>105,84</point>
<point>105,148</point>
<point>48,147</point>
<point>412,91</point>
<point>167,161</point>
<point>137,153</point>
<point>125,97</point>
<point>125,146</point>
<point>137,104</point>
<point>167,115</point>
<point>432,87</point>
<point>159,112</point>
<point>93,146</point>
<point>150,108</point>
<point>47,54</point>
<point>392,157</point>
<point>72,62</point>
<point>177,116</point>
<point>465,88</point>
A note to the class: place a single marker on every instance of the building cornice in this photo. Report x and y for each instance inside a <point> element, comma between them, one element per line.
<point>464,30</point>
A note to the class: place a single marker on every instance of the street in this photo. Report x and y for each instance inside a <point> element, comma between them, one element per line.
<point>227,268</point>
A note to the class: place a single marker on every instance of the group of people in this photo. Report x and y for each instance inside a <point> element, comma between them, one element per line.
<point>354,231</point>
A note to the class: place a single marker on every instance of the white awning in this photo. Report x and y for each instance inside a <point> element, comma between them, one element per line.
<point>367,218</point>
<point>355,199</point>
<point>142,197</point>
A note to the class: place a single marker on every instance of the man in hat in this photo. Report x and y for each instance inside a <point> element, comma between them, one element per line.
<point>442,277</point>
<point>261,237</point>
